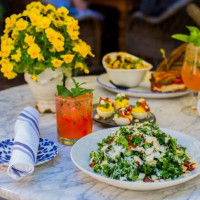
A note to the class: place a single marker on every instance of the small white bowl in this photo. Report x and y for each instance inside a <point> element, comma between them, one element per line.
<point>125,77</point>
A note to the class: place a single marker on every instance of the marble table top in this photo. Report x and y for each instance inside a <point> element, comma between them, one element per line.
<point>59,179</point>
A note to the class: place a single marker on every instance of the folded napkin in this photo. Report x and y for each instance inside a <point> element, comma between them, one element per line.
<point>26,142</point>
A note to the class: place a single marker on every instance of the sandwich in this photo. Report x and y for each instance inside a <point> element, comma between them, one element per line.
<point>167,81</point>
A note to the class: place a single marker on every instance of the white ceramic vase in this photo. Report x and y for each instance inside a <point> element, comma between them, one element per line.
<point>45,89</point>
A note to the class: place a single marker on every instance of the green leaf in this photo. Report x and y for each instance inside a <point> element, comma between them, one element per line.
<point>167,81</point>
<point>193,37</point>
<point>181,37</point>
<point>173,144</point>
<point>74,92</point>
<point>119,98</point>
<point>137,104</point>
<point>121,141</point>
<point>136,140</point>
<point>85,91</point>
<point>63,91</point>
<point>196,43</point>
<point>75,83</point>
<point>193,29</point>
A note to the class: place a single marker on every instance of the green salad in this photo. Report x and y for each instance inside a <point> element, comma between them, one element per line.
<point>141,152</point>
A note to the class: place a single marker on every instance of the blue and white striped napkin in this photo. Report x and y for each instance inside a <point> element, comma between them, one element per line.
<point>26,142</point>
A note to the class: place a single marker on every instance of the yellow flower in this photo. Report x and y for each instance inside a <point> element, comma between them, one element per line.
<point>40,57</point>
<point>38,29</point>
<point>45,22</point>
<point>34,51</point>
<point>29,39</point>
<point>5,53</point>
<point>74,35</point>
<point>58,45</point>
<point>86,71</point>
<point>17,56</point>
<point>35,11</point>
<point>58,23</point>
<point>38,6</point>
<point>68,19</point>
<point>55,38</point>
<point>62,11</point>
<point>25,13</point>
<point>56,62</point>
<point>35,19</point>
<point>4,62</point>
<point>72,29</point>
<point>10,74</point>
<point>51,35</point>
<point>79,66</point>
<point>67,58</point>
<point>52,50</point>
<point>72,25</point>
<point>6,40</point>
<point>10,21</point>
<point>15,33</point>
<point>49,7</point>
<point>51,16</point>
<point>6,47</point>
<point>35,78</point>
<point>21,24</point>
<point>7,67</point>
<point>82,48</point>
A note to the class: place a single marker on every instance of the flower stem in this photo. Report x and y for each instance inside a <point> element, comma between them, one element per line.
<point>64,79</point>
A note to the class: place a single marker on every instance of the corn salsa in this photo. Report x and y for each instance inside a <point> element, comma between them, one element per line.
<point>122,61</point>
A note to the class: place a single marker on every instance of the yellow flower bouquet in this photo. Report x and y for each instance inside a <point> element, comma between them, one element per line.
<point>42,37</point>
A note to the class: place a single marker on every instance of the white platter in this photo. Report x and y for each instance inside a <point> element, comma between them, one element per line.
<point>143,90</point>
<point>80,157</point>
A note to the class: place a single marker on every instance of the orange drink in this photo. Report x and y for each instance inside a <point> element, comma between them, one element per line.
<point>191,75</point>
<point>191,68</point>
<point>74,117</point>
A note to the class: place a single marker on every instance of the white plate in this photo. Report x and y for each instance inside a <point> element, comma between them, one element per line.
<point>47,150</point>
<point>82,148</point>
<point>143,90</point>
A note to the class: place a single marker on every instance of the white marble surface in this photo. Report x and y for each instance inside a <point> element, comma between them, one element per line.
<point>59,179</point>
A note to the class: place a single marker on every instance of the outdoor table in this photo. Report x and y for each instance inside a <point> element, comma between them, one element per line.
<point>59,179</point>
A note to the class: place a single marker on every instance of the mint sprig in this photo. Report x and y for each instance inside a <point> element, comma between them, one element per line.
<point>73,92</point>
<point>193,37</point>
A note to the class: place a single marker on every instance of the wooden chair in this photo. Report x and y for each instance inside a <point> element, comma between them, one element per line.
<point>90,32</point>
<point>146,35</point>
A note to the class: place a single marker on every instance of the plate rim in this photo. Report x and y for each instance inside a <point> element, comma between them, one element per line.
<point>133,183</point>
<point>153,94</point>
<point>37,163</point>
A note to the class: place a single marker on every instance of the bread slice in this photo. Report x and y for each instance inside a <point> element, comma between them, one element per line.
<point>167,81</point>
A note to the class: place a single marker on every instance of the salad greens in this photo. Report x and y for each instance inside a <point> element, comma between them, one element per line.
<point>74,92</point>
<point>141,152</point>
<point>193,37</point>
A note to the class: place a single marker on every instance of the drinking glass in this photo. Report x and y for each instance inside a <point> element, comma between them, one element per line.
<point>191,76</point>
<point>74,117</point>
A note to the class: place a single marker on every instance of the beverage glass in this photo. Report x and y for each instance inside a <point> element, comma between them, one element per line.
<point>191,76</point>
<point>74,117</point>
